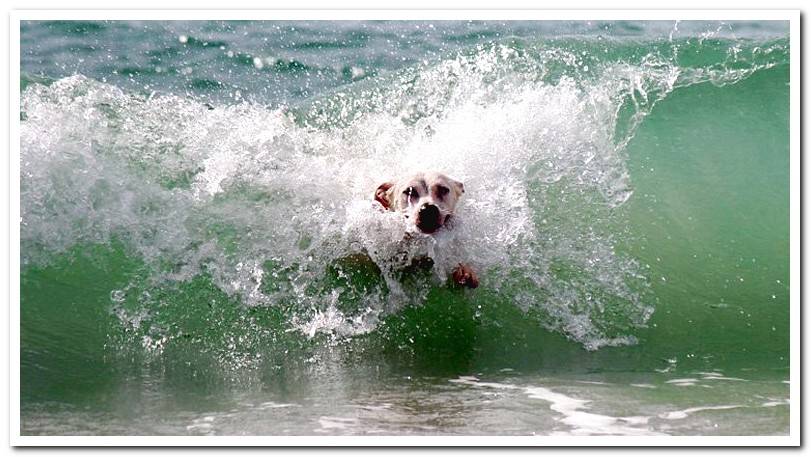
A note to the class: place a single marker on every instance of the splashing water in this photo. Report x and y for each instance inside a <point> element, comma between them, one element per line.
<point>267,202</point>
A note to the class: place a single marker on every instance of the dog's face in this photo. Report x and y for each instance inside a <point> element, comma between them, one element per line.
<point>427,199</point>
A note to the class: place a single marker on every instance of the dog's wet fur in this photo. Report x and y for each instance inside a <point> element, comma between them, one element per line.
<point>429,201</point>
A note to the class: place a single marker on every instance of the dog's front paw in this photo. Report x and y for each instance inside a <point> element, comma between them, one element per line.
<point>465,276</point>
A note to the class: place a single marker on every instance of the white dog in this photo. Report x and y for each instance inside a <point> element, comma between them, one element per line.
<point>428,200</point>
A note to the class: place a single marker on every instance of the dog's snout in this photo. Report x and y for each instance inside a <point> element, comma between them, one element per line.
<point>428,218</point>
<point>429,210</point>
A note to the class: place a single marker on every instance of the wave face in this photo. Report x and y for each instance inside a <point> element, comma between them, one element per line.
<point>225,215</point>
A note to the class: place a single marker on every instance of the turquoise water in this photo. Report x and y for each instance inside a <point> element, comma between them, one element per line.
<point>193,194</point>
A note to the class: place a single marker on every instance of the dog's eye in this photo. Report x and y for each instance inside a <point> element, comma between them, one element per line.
<point>411,192</point>
<point>442,191</point>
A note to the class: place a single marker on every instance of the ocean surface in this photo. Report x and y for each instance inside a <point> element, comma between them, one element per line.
<point>195,196</point>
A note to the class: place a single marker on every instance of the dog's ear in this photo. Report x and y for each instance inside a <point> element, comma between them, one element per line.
<point>460,188</point>
<point>382,194</point>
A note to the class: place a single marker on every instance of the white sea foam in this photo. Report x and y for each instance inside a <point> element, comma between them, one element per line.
<point>574,411</point>
<point>264,202</point>
<point>332,423</point>
<point>681,414</point>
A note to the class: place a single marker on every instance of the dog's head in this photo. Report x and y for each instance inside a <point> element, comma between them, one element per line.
<point>427,199</point>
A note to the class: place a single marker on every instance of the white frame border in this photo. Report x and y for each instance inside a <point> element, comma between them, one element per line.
<point>793,439</point>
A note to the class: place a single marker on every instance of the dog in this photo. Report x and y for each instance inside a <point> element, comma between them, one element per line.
<point>428,200</point>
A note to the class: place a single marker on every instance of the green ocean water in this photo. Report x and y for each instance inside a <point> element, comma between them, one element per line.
<point>191,193</point>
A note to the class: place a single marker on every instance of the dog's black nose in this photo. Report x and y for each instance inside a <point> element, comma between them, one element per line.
<point>428,218</point>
